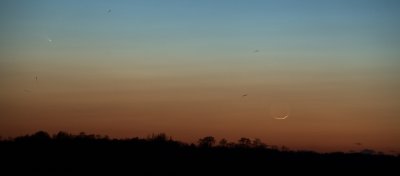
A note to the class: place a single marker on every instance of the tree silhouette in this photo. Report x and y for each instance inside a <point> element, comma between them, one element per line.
<point>40,136</point>
<point>88,151</point>
<point>368,151</point>
<point>62,136</point>
<point>223,142</point>
<point>257,143</point>
<point>244,142</point>
<point>206,142</point>
<point>284,148</point>
<point>160,137</point>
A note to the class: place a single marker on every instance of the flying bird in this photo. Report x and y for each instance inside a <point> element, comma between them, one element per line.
<point>245,95</point>
<point>109,11</point>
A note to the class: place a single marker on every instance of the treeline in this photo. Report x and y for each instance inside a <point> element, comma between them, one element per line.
<point>206,142</point>
<point>159,154</point>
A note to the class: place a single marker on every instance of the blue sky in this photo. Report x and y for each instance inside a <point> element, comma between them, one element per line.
<point>173,66</point>
<point>305,25</point>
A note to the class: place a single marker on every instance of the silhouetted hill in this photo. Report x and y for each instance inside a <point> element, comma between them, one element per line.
<point>63,154</point>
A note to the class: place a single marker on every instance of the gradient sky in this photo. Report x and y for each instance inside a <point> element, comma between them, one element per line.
<point>181,67</point>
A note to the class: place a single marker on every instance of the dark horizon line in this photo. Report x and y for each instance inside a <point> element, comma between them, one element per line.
<point>205,142</point>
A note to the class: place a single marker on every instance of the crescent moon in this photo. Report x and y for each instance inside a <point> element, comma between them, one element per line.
<point>281,118</point>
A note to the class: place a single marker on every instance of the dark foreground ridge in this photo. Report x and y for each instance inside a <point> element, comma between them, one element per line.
<point>64,153</point>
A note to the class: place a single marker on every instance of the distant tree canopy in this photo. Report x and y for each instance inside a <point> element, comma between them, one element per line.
<point>207,141</point>
<point>159,139</point>
<point>244,142</point>
<point>62,136</point>
<point>257,143</point>
<point>223,142</point>
<point>41,136</point>
<point>158,154</point>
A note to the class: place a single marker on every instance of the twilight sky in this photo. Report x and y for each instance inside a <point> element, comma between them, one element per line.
<point>132,68</point>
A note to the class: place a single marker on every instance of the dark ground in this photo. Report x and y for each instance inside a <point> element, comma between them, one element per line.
<point>65,154</point>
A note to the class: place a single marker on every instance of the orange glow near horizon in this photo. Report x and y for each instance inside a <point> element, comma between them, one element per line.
<point>188,105</point>
<point>183,69</point>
